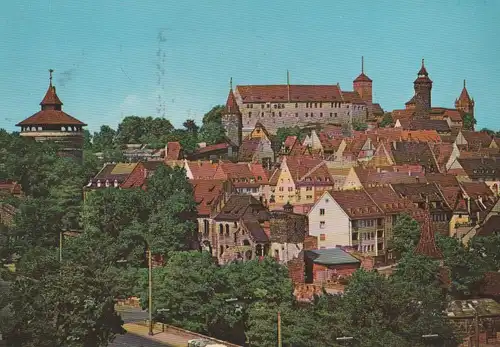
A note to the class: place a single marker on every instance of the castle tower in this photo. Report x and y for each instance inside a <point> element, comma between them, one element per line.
<point>232,118</point>
<point>464,102</point>
<point>423,87</point>
<point>363,85</point>
<point>52,124</point>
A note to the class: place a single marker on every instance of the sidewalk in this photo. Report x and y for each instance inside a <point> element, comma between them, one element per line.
<point>166,337</point>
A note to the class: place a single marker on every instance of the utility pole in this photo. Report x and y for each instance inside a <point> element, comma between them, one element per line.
<point>279,329</point>
<point>150,273</point>
<point>60,245</point>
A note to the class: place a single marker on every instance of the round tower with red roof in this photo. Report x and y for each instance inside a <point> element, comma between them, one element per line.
<point>423,87</point>
<point>52,124</point>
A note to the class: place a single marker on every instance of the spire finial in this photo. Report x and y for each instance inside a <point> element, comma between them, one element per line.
<point>362,64</point>
<point>231,83</point>
<point>50,74</point>
<point>464,83</point>
<point>422,62</point>
<point>288,77</point>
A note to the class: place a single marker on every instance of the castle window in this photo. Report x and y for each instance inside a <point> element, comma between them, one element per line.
<point>331,114</point>
<point>273,114</point>
<point>321,114</point>
<point>335,114</point>
<point>262,114</point>
<point>320,104</point>
<point>275,106</point>
<point>296,114</point>
<point>315,104</point>
<point>296,105</point>
<point>279,113</point>
<point>249,114</point>
<point>307,114</point>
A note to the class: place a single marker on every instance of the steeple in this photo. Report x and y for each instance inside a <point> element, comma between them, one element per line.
<point>422,86</point>
<point>427,243</point>
<point>363,85</point>
<point>362,77</point>
<point>231,104</point>
<point>464,102</point>
<point>51,101</point>
<point>423,70</point>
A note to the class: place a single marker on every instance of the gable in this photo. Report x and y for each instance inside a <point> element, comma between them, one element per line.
<point>352,180</point>
<point>327,202</point>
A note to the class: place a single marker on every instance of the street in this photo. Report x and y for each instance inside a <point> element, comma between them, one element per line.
<point>130,315</point>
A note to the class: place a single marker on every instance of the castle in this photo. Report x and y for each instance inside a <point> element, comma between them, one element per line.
<point>288,105</point>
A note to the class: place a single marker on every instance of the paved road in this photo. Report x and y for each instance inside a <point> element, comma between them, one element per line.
<point>131,340</point>
<point>130,315</point>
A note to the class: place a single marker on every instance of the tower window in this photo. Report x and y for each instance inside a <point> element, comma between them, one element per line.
<point>262,114</point>
<point>249,114</point>
<point>331,114</point>
<point>273,114</point>
<point>315,104</point>
<point>279,113</point>
<point>307,114</point>
<point>321,114</point>
<point>296,105</point>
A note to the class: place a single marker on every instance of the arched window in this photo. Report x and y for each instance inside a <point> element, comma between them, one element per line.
<point>221,229</point>
<point>221,250</point>
<point>227,229</point>
<point>246,243</point>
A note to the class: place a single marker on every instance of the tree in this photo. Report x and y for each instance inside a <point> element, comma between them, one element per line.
<point>71,307</point>
<point>214,115</point>
<point>87,140</point>
<point>488,131</point>
<point>469,121</point>
<point>406,233</point>
<point>359,126</point>
<point>380,311</point>
<point>104,140</point>
<point>130,130</point>
<point>189,288</point>
<point>188,141</point>
<point>387,120</point>
<point>212,133</point>
<point>191,127</point>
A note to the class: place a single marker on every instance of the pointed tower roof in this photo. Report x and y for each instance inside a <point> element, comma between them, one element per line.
<point>231,104</point>
<point>423,75</point>
<point>464,95</point>
<point>51,112</point>
<point>362,77</point>
<point>427,243</point>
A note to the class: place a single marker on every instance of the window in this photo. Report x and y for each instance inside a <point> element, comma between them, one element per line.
<point>309,197</point>
<point>227,229</point>
<point>307,114</point>
<point>322,237</point>
<point>262,114</point>
<point>309,188</point>
<point>335,114</point>
<point>380,233</point>
<point>296,105</point>
<point>315,104</point>
<point>221,229</point>
<point>290,189</point>
<point>321,114</point>
<point>322,224</point>
<point>281,189</point>
<point>354,236</point>
<point>296,114</point>
<point>380,246</point>
<point>262,106</point>
<point>279,113</point>
<point>331,114</point>
<point>321,211</point>
<point>249,114</point>
<point>273,112</point>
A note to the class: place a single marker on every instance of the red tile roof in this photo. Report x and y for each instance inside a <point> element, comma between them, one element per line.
<point>210,148</point>
<point>10,187</point>
<point>390,202</point>
<point>173,151</point>
<point>362,78</point>
<point>51,97</point>
<point>51,117</point>
<point>231,104</point>
<point>427,243</point>
<point>352,97</point>
<point>202,169</point>
<point>356,204</point>
<point>290,141</point>
<point>207,193</point>
<point>298,93</point>
<point>464,95</point>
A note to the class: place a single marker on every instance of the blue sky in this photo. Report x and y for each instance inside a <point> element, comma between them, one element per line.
<point>105,52</point>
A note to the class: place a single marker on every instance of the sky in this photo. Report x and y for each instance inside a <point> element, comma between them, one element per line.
<point>107,54</point>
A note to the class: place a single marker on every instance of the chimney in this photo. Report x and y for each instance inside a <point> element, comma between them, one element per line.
<point>145,173</point>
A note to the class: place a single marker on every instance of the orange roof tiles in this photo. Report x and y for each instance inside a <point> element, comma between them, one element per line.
<point>202,169</point>
<point>51,97</point>
<point>207,194</point>
<point>356,204</point>
<point>173,151</point>
<point>51,117</point>
<point>231,104</point>
<point>362,78</point>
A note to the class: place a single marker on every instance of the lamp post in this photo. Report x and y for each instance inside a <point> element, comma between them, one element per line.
<point>150,285</point>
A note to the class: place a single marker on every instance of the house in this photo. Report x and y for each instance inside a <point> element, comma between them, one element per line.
<point>256,150</point>
<point>259,132</point>
<point>422,194</point>
<point>210,196</point>
<point>247,178</point>
<point>348,218</point>
<point>478,169</point>
<point>299,180</point>
<point>414,153</point>
<point>200,169</point>
<point>240,230</point>
<point>329,265</point>
<point>111,175</point>
<point>10,188</point>
<point>473,140</point>
<point>225,151</point>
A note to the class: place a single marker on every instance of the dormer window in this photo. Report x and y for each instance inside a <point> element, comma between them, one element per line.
<point>98,183</point>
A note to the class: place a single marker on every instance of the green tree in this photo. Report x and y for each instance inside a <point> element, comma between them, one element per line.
<point>71,307</point>
<point>130,130</point>
<point>188,141</point>
<point>469,121</point>
<point>87,140</point>
<point>387,120</point>
<point>104,140</point>
<point>191,127</point>
<point>359,126</point>
<point>212,133</point>
<point>214,115</point>
<point>406,233</point>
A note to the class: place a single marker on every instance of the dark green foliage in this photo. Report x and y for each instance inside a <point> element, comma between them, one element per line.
<point>469,121</point>
<point>387,120</point>
<point>212,133</point>
<point>359,126</point>
<point>214,115</point>
<point>406,233</point>
<point>283,133</point>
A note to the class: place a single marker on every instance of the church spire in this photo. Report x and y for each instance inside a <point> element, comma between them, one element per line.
<point>427,243</point>
<point>51,101</point>
<point>362,64</point>
<point>50,78</point>
<point>362,77</point>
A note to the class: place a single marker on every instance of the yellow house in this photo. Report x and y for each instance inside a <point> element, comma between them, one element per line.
<point>259,132</point>
<point>352,181</point>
